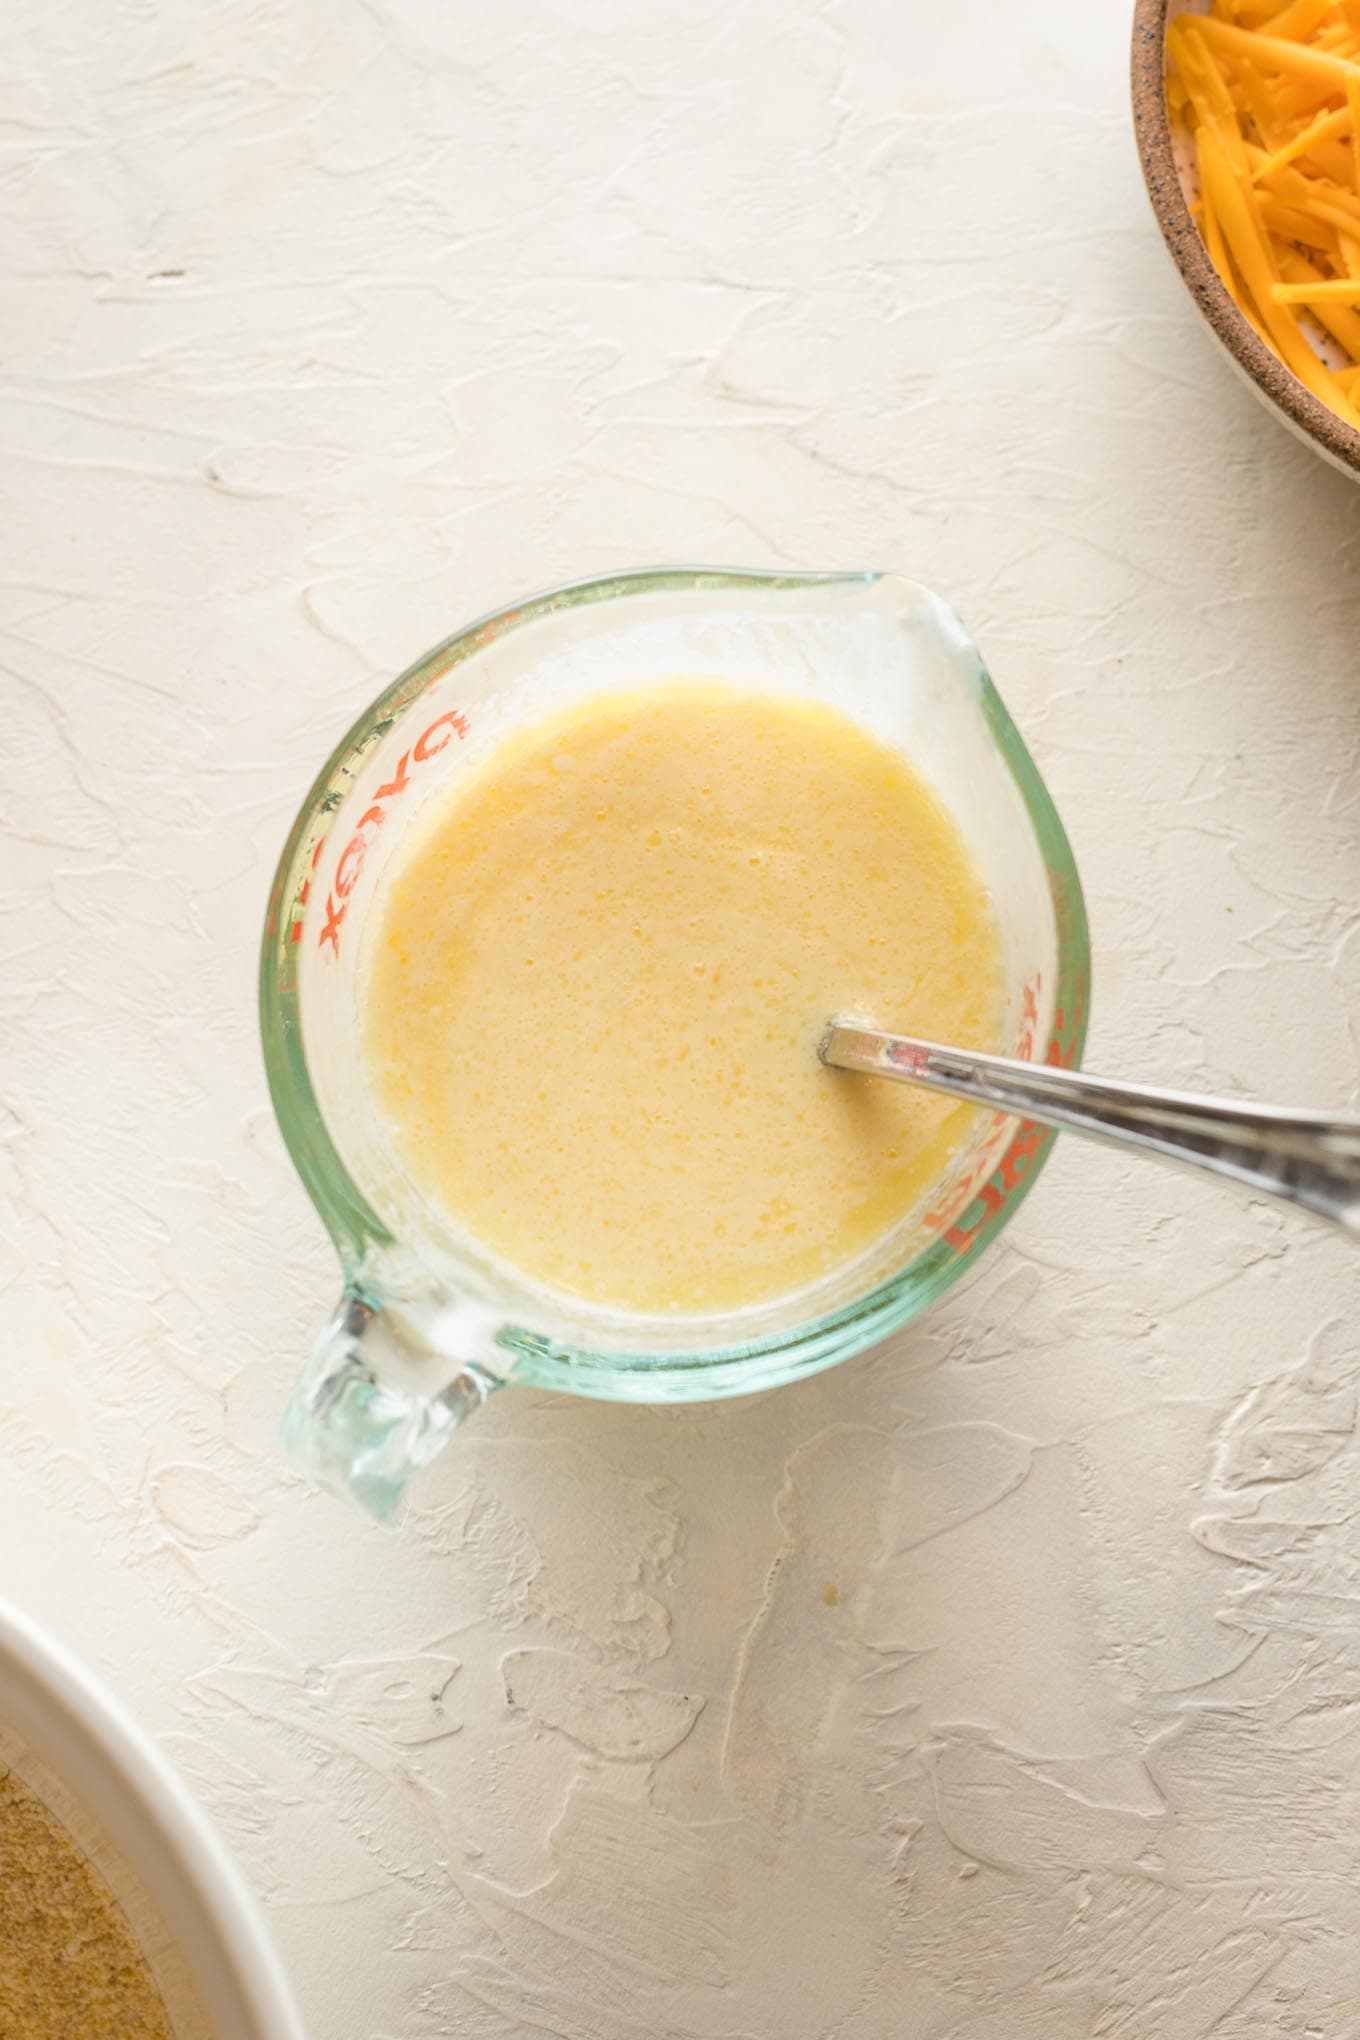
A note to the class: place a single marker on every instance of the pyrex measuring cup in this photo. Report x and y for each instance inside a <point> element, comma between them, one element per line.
<point>429,1323</point>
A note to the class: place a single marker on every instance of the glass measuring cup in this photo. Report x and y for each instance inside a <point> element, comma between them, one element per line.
<point>429,1322</point>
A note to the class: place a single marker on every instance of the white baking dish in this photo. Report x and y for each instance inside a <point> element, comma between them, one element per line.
<point>84,1757</point>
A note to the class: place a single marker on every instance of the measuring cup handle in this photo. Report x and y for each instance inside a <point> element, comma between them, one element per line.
<point>355,1425</point>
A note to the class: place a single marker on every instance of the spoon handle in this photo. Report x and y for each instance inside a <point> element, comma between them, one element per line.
<point>1309,1159</point>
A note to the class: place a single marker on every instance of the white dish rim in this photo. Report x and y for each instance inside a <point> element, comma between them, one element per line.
<point>94,1747</point>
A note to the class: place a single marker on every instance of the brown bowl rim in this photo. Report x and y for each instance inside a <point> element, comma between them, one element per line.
<point>1152,130</point>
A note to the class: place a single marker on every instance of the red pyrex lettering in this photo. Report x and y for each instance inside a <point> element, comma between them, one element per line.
<point>431,741</point>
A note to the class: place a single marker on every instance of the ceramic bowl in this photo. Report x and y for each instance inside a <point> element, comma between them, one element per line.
<point>1169,178</point>
<point>75,1748</point>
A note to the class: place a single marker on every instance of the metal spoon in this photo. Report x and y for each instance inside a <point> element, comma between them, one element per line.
<point>1310,1159</point>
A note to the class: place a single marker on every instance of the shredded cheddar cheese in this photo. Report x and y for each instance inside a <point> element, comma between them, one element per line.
<point>1270,92</point>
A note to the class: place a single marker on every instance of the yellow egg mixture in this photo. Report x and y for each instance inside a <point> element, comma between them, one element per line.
<point>600,971</point>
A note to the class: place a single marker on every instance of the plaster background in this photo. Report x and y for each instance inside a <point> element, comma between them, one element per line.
<point>1005,1683</point>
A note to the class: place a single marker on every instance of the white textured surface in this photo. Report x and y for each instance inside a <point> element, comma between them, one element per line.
<point>327,326</point>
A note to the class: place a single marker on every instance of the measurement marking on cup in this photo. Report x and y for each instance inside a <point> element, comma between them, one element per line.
<point>433,739</point>
<point>995,1175</point>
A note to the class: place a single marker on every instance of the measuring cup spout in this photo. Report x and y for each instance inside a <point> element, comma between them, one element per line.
<point>377,1401</point>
